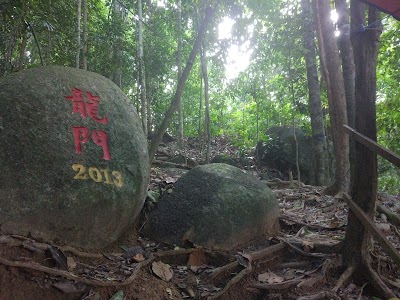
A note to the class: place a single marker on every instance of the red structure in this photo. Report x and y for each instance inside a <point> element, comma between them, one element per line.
<point>391,7</point>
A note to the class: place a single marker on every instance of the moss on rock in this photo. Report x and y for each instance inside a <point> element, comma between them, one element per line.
<point>73,157</point>
<point>215,205</point>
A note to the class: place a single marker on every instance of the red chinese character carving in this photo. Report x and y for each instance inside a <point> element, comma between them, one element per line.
<point>100,139</point>
<point>92,108</point>
<point>81,136</point>
<point>78,104</point>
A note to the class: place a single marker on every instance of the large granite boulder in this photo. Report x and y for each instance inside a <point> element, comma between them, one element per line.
<point>279,152</point>
<point>216,206</point>
<point>73,157</point>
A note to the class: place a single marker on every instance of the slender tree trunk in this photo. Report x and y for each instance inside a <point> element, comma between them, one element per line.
<point>78,35</point>
<point>200,130</point>
<point>142,70</point>
<point>258,121</point>
<point>180,104</point>
<point>148,82</point>
<point>314,95</point>
<point>22,48</point>
<point>48,47</point>
<point>206,102</point>
<point>85,36</point>
<point>336,99</point>
<point>118,17</point>
<point>181,83</point>
<point>296,143</point>
<point>347,56</point>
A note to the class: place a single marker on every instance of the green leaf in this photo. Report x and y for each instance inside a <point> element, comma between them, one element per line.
<point>118,295</point>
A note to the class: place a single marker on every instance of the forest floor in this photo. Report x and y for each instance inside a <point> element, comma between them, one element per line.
<point>302,262</point>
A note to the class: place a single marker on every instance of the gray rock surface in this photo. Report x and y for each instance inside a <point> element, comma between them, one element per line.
<point>216,206</point>
<point>73,157</point>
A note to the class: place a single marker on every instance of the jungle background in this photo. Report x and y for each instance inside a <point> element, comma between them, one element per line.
<point>253,53</point>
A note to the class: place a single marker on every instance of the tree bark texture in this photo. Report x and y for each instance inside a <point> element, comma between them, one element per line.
<point>117,15</point>
<point>314,96</point>
<point>364,184</point>
<point>78,35</point>
<point>296,142</point>
<point>180,104</point>
<point>336,99</point>
<point>348,67</point>
<point>142,83</point>
<point>181,83</point>
<point>200,129</point>
<point>22,48</point>
<point>206,101</point>
<point>85,36</point>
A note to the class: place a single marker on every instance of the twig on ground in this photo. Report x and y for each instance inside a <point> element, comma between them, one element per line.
<point>320,295</point>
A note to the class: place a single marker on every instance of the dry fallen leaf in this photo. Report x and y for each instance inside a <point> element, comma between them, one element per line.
<point>197,258</point>
<point>270,277</point>
<point>71,263</point>
<point>68,287</point>
<point>307,246</point>
<point>169,292</point>
<point>162,270</point>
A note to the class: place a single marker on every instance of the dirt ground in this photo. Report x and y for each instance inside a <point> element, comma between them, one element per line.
<point>300,263</point>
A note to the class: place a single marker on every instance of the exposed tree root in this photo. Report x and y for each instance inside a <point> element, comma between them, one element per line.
<point>391,216</point>
<point>16,241</point>
<point>71,276</point>
<point>373,277</point>
<point>223,270</point>
<point>298,250</point>
<point>322,247</point>
<point>320,295</point>
<point>233,281</point>
<point>343,278</point>
<point>277,286</point>
<point>378,283</point>
<point>251,257</point>
<point>256,255</point>
<point>278,183</point>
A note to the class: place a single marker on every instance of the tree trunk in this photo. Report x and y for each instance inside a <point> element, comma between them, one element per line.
<point>346,53</point>
<point>142,70</point>
<point>22,48</point>
<point>85,36</point>
<point>200,130</point>
<point>296,142</point>
<point>180,105</point>
<point>181,83</point>
<point>206,102</point>
<point>357,241</point>
<point>149,89</point>
<point>118,16</point>
<point>78,35</point>
<point>314,95</point>
<point>365,45</point>
<point>336,99</point>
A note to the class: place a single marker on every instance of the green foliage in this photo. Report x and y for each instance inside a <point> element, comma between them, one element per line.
<point>244,107</point>
<point>388,105</point>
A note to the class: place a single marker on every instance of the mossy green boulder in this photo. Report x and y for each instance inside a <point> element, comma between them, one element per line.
<point>216,206</point>
<point>73,157</point>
